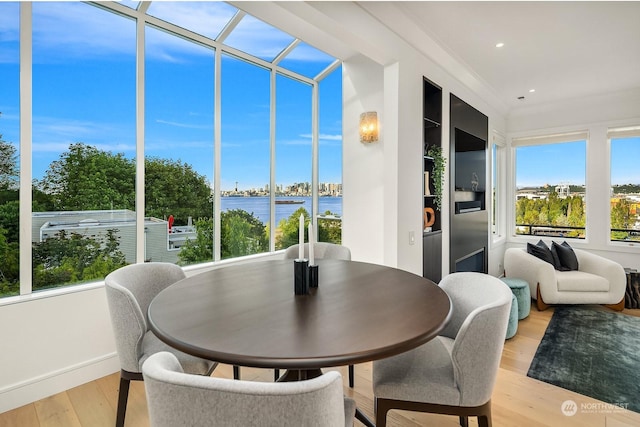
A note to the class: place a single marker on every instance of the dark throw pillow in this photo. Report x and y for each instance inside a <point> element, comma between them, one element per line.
<point>541,251</point>
<point>567,256</point>
<point>556,259</point>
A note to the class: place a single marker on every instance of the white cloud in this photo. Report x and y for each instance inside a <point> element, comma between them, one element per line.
<point>206,18</point>
<point>54,134</point>
<point>79,30</point>
<point>258,38</point>
<point>184,125</point>
<point>324,136</point>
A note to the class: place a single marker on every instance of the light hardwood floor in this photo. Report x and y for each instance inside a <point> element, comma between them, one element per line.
<point>517,399</point>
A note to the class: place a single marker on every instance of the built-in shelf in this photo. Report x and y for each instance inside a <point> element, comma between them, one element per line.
<point>430,122</point>
<point>431,137</point>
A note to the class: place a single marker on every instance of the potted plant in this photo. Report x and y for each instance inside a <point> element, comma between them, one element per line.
<point>439,163</point>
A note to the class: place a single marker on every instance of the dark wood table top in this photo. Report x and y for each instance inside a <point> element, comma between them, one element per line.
<point>248,314</point>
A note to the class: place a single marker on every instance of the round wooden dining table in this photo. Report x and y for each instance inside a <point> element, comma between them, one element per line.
<point>248,315</point>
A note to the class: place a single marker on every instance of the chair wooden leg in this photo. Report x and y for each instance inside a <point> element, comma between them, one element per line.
<point>351,376</point>
<point>542,306</point>
<point>381,409</point>
<point>484,421</point>
<point>464,421</point>
<point>617,307</point>
<point>276,374</point>
<point>236,372</point>
<point>123,395</point>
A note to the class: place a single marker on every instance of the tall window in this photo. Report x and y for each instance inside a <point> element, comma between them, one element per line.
<point>550,185</point>
<point>625,184</point>
<point>330,159</point>
<point>88,95</point>
<point>497,177</point>
<point>293,158</point>
<point>83,143</point>
<point>245,159</point>
<point>9,149</point>
<point>178,149</point>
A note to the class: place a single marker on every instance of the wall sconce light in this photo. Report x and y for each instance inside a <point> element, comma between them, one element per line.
<point>369,127</point>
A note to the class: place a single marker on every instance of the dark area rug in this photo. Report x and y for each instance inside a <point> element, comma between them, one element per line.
<point>592,352</point>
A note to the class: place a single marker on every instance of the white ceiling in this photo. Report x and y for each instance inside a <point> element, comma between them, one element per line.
<point>561,49</point>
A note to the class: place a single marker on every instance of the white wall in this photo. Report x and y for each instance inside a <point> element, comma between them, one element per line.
<point>363,168</point>
<point>595,114</point>
<point>53,344</point>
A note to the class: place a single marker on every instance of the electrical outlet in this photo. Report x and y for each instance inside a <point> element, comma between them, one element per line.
<point>412,238</point>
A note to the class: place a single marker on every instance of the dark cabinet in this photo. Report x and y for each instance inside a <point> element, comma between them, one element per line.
<point>469,232</point>
<point>432,256</point>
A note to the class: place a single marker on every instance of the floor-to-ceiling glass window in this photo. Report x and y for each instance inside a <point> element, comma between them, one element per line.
<point>90,85</point>
<point>625,184</point>
<point>330,159</point>
<point>83,143</point>
<point>9,149</point>
<point>293,159</point>
<point>179,104</point>
<point>245,158</point>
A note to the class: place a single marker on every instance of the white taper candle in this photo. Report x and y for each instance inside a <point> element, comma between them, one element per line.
<point>301,238</point>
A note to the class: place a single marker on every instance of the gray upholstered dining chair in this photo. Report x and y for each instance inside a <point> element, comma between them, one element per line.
<point>455,372</point>
<point>130,290</point>
<point>175,398</point>
<point>324,250</point>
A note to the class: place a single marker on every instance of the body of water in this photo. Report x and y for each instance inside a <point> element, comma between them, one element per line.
<point>260,206</point>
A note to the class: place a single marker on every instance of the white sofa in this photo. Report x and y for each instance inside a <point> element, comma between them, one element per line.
<point>598,280</point>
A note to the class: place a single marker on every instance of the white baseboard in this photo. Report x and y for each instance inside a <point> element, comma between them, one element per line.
<point>25,392</point>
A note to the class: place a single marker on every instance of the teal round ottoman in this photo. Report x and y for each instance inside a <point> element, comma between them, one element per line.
<point>520,289</point>
<point>512,327</point>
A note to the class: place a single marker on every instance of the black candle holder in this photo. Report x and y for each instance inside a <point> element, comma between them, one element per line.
<point>313,276</point>
<point>301,276</point>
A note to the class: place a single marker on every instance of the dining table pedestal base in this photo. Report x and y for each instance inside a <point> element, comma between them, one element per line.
<point>299,375</point>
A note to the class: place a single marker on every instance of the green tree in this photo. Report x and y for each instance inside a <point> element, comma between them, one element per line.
<point>10,266</point>
<point>621,218</point>
<point>330,230</point>
<point>241,234</point>
<point>289,229</point>
<point>175,188</point>
<point>86,178</point>
<point>10,220</point>
<point>9,175</point>
<point>66,259</point>
<point>199,249</point>
<point>553,211</point>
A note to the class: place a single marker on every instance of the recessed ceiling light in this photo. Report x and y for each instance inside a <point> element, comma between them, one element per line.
<point>531,90</point>
<point>499,44</point>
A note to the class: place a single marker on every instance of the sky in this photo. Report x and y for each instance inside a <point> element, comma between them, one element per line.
<point>84,86</point>
<point>565,163</point>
